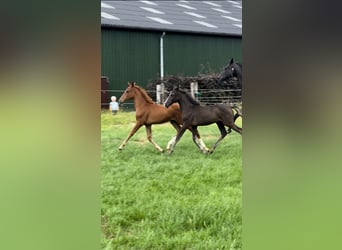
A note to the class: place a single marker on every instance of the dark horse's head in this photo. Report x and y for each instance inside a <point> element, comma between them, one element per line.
<point>173,97</point>
<point>233,69</point>
<point>180,96</point>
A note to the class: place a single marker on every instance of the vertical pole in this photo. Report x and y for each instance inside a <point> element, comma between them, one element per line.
<point>158,93</point>
<point>162,56</point>
<point>162,93</point>
<point>194,89</point>
<point>160,87</point>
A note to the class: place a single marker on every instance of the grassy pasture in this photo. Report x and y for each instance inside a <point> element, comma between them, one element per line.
<point>152,200</point>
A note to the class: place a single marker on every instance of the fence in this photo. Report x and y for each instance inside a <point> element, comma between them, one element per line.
<point>213,96</point>
<point>204,96</point>
<point>115,92</point>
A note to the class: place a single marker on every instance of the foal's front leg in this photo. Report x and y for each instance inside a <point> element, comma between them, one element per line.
<point>172,141</point>
<point>196,137</point>
<point>179,135</point>
<point>198,141</point>
<point>133,131</point>
<point>149,137</point>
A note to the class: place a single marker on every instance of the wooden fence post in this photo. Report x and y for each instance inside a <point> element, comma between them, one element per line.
<point>160,92</point>
<point>194,89</point>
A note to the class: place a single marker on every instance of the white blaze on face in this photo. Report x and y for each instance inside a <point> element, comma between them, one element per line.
<point>167,99</point>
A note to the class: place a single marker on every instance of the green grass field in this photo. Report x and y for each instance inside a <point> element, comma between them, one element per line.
<point>153,200</point>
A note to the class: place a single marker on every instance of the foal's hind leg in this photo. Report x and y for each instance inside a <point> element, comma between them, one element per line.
<point>133,131</point>
<point>223,134</point>
<point>235,128</point>
<point>149,137</point>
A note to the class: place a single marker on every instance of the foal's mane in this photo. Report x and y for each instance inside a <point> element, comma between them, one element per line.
<point>144,94</point>
<point>189,97</point>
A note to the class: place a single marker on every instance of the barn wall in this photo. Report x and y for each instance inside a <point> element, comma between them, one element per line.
<point>129,56</point>
<point>133,55</point>
<point>188,54</point>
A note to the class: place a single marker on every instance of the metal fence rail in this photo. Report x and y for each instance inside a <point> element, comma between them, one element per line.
<point>213,96</point>
<point>204,96</point>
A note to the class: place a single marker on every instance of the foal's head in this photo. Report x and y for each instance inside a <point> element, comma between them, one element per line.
<point>136,92</point>
<point>180,96</point>
<point>128,93</point>
<point>173,97</point>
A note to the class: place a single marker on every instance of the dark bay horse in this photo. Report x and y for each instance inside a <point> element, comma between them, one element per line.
<point>148,113</point>
<point>233,69</point>
<point>195,115</point>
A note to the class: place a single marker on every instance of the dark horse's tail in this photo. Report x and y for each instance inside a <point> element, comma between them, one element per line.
<point>237,114</point>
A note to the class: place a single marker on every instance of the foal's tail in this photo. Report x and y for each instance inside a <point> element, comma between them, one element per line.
<point>238,112</point>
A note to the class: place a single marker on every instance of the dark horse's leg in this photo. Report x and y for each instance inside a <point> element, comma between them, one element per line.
<point>198,141</point>
<point>223,131</point>
<point>194,133</point>
<point>172,141</point>
<point>235,128</point>
<point>179,135</point>
<point>149,137</point>
<point>133,131</point>
<point>175,125</point>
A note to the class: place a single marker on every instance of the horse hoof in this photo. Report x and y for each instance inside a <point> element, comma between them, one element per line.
<point>206,151</point>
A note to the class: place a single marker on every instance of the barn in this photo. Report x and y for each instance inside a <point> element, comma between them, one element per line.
<point>145,40</point>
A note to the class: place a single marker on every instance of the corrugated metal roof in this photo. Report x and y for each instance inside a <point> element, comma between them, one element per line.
<point>215,17</point>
